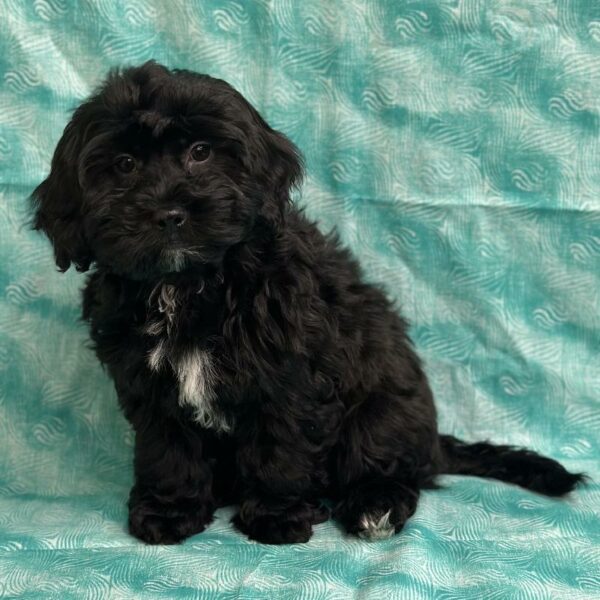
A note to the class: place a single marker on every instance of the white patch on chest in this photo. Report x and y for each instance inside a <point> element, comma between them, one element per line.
<point>195,369</point>
<point>197,378</point>
<point>157,356</point>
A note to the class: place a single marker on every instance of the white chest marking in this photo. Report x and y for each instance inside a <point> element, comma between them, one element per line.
<point>197,378</point>
<point>195,369</point>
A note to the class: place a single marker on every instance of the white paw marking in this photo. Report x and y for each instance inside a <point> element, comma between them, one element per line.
<point>376,526</point>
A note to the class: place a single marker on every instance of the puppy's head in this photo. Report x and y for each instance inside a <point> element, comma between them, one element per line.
<point>161,171</point>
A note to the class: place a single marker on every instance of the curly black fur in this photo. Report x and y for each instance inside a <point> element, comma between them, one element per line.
<point>254,364</point>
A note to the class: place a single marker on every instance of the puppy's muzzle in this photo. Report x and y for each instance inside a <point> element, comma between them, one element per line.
<point>170,220</point>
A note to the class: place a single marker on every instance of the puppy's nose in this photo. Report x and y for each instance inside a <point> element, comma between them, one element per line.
<point>171,218</point>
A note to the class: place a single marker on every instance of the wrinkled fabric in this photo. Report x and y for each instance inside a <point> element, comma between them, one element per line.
<point>455,146</point>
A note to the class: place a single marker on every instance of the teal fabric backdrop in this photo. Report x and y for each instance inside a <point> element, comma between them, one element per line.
<point>455,145</point>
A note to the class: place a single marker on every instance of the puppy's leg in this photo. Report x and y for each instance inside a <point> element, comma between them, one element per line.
<point>280,490</point>
<point>172,498</point>
<point>279,520</point>
<point>388,451</point>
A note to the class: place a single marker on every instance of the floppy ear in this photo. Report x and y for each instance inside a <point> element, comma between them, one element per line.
<point>277,160</point>
<point>284,168</point>
<point>57,200</point>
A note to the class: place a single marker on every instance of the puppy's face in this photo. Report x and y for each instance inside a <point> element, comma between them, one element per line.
<point>162,171</point>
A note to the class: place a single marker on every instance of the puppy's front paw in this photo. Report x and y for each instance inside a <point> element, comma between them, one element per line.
<point>276,525</point>
<point>275,530</point>
<point>156,521</point>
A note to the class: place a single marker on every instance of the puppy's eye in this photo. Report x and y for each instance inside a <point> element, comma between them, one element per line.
<point>125,163</point>
<point>200,151</point>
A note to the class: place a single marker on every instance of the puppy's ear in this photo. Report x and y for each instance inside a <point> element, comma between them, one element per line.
<point>278,161</point>
<point>285,165</point>
<point>57,201</point>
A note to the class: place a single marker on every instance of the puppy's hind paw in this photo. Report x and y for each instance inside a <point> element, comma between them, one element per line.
<point>377,511</point>
<point>375,526</point>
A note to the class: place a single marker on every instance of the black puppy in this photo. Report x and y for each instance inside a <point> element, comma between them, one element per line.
<point>253,363</point>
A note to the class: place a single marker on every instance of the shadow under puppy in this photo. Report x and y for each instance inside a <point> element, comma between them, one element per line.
<point>254,364</point>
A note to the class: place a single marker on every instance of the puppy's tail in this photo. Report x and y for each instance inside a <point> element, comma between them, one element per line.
<point>508,463</point>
